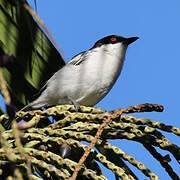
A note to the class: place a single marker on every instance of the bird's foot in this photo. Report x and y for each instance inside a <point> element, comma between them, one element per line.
<point>76,104</point>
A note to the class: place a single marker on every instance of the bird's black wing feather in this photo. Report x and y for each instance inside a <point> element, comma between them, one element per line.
<point>79,58</point>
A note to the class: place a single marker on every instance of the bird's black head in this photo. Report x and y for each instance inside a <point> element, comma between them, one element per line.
<point>113,39</point>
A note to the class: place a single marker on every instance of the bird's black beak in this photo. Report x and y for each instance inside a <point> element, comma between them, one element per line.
<point>130,40</point>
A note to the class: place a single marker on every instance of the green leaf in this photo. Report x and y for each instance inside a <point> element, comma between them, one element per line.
<point>35,57</point>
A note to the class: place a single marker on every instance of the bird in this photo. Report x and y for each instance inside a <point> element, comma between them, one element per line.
<point>88,77</point>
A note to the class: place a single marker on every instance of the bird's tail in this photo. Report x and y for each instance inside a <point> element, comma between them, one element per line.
<point>34,105</point>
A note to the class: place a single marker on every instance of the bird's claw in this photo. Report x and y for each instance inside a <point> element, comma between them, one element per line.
<point>76,105</point>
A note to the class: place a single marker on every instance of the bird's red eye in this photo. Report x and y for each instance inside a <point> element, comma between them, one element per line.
<point>113,40</point>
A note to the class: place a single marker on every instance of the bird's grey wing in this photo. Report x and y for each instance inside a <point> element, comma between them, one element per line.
<point>79,58</point>
<point>76,60</point>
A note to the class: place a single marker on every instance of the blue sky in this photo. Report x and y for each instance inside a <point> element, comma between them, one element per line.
<point>151,69</point>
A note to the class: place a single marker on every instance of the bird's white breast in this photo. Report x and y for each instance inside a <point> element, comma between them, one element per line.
<point>97,74</point>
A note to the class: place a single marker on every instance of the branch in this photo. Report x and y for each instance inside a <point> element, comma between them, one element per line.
<point>108,118</point>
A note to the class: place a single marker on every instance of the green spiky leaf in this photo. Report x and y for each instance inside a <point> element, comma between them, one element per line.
<point>35,57</point>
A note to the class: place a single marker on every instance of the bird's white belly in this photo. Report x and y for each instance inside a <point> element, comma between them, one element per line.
<point>93,94</point>
<point>89,89</point>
